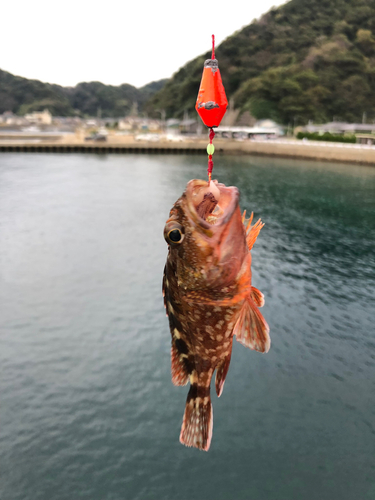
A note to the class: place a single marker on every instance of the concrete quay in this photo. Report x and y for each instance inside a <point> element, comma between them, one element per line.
<point>285,148</point>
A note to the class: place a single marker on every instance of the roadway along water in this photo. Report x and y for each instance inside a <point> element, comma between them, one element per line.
<point>87,406</point>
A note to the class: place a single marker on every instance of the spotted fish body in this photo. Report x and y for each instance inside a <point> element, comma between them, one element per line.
<point>208,296</point>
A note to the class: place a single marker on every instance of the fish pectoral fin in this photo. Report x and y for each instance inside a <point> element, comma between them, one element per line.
<point>251,329</point>
<point>221,373</point>
<point>252,232</point>
<point>257,296</point>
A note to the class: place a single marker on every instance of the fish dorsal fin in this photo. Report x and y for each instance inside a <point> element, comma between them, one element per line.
<point>252,231</point>
<point>180,375</point>
<point>164,288</point>
<point>179,350</point>
<point>251,329</point>
<point>221,372</point>
<point>257,296</point>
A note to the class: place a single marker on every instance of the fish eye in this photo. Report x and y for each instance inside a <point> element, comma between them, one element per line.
<point>173,233</point>
<point>175,236</point>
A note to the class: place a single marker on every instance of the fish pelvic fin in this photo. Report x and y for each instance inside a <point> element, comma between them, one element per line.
<point>197,423</point>
<point>221,373</point>
<point>257,296</point>
<point>252,232</point>
<point>251,328</point>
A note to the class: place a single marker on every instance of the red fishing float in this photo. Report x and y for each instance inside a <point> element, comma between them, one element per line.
<point>212,102</point>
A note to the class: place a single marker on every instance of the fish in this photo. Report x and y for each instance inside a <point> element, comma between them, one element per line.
<point>209,297</point>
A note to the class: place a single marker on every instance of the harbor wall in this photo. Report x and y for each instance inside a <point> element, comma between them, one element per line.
<point>311,150</point>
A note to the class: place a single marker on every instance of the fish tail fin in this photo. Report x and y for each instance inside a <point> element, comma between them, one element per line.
<point>252,232</point>
<point>221,373</point>
<point>196,427</point>
<point>251,328</point>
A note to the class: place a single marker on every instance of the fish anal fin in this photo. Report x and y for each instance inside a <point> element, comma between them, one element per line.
<point>252,232</point>
<point>257,296</point>
<point>197,423</point>
<point>180,375</point>
<point>251,329</point>
<point>221,373</point>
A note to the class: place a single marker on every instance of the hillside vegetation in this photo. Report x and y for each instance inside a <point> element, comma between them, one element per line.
<point>21,96</point>
<point>306,60</point>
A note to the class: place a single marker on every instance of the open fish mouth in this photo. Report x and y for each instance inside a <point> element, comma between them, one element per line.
<point>211,205</point>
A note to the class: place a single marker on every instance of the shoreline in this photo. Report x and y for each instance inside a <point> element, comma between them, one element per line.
<point>308,150</point>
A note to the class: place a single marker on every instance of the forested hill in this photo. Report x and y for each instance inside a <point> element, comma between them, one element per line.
<point>21,96</point>
<point>306,60</point>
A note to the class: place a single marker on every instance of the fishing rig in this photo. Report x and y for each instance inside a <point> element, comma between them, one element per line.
<point>211,102</point>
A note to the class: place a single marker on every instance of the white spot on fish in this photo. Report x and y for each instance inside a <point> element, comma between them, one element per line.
<point>170,307</point>
<point>176,333</point>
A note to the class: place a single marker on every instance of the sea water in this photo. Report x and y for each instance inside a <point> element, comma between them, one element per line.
<point>87,407</point>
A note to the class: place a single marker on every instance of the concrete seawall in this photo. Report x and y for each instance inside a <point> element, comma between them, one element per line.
<point>350,153</point>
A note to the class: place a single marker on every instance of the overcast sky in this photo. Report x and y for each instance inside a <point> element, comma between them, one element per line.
<point>114,41</point>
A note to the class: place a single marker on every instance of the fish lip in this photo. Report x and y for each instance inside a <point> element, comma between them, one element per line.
<point>229,209</point>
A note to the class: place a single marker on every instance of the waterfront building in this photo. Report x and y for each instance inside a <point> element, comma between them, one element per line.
<point>40,118</point>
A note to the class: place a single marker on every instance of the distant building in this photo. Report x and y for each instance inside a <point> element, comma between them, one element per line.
<point>9,118</point>
<point>189,126</point>
<point>364,132</point>
<point>133,123</point>
<point>125,124</point>
<point>266,129</point>
<point>340,128</point>
<point>40,118</point>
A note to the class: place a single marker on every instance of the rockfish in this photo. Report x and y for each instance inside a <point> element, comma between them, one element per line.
<point>208,296</point>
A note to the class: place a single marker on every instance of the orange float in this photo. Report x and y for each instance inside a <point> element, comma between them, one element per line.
<point>211,102</point>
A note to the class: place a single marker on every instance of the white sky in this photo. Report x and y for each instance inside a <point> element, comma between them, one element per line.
<point>114,41</point>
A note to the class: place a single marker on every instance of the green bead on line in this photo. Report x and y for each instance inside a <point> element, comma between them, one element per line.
<point>210,149</point>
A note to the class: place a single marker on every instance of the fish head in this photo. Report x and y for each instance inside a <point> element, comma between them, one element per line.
<point>206,236</point>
